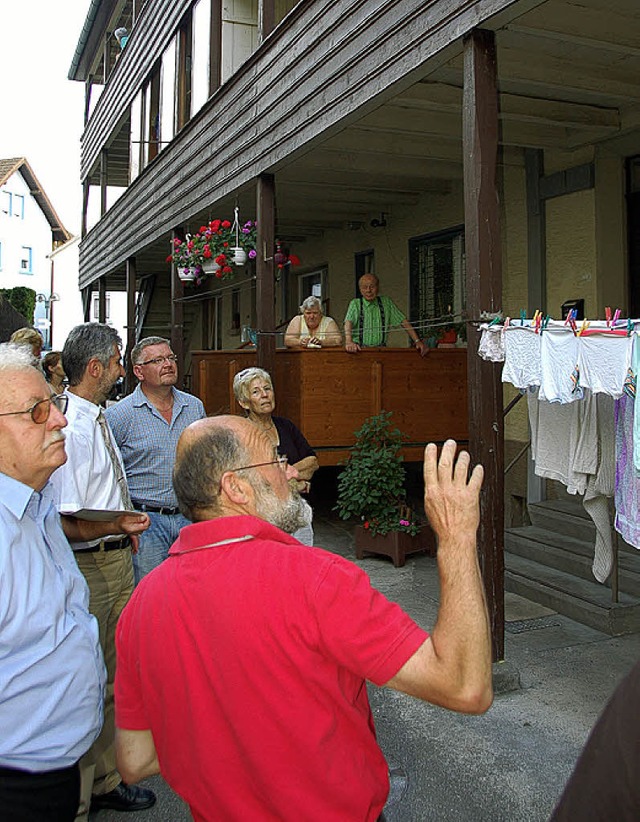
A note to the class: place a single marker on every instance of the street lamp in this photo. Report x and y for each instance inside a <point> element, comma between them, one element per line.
<point>43,324</point>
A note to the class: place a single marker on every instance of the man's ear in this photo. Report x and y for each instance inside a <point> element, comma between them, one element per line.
<point>138,372</point>
<point>94,368</point>
<point>237,490</point>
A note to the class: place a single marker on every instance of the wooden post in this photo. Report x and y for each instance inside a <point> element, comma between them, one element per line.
<point>131,322</point>
<point>102,300</point>
<point>177,312</point>
<point>103,182</point>
<point>484,293</point>
<point>265,281</point>
<point>266,18</point>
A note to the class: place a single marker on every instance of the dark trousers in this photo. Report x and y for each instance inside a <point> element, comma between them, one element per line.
<point>39,797</point>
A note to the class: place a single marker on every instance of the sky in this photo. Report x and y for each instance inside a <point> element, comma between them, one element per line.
<point>42,111</point>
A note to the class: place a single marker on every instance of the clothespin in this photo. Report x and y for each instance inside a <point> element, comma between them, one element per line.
<point>583,327</point>
<point>607,315</point>
<point>507,322</point>
<point>629,327</point>
<point>523,315</point>
<point>545,323</point>
<point>616,317</point>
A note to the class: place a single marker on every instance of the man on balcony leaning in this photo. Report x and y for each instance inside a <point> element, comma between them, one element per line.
<point>370,317</point>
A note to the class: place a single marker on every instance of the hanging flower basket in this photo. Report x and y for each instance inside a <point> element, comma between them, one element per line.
<point>238,255</point>
<point>187,275</point>
<point>216,248</point>
<point>210,267</point>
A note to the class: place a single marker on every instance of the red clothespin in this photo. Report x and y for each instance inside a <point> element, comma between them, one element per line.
<point>607,315</point>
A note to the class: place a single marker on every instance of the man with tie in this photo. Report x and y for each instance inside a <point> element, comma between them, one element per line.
<point>93,478</point>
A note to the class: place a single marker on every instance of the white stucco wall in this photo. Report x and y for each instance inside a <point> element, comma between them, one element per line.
<point>67,310</point>
<point>29,229</point>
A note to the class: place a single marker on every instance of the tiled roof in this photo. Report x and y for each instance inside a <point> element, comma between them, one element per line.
<point>9,167</point>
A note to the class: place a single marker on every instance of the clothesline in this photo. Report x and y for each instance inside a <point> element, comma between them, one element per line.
<point>580,381</point>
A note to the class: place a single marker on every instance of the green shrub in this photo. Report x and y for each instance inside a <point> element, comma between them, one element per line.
<point>371,484</point>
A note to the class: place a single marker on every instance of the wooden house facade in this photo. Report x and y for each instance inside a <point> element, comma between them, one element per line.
<point>477,155</point>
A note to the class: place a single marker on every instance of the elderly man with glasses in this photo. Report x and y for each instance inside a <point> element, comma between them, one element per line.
<point>242,660</point>
<point>146,425</point>
<point>52,673</point>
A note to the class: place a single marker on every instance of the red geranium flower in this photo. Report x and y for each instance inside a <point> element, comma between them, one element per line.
<point>225,224</point>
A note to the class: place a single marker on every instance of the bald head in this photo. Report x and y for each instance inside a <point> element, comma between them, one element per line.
<point>227,466</point>
<point>206,450</point>
<point>369,286</point>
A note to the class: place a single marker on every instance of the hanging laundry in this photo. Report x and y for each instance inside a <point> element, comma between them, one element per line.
<point>558,360</point>
<point>603,362</point>
<point>627,495</point>
<point>521,356</point>
<point>574,444</point>
<point>491,347</point>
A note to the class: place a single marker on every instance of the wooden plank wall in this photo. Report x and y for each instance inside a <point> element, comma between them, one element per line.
<point>348,55</point>
<point>329,393</point>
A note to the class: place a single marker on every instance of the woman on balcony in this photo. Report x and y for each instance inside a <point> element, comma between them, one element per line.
<point>253,390</point>
<point>311,329</point>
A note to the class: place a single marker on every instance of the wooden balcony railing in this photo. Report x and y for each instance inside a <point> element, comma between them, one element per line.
<point>328,393</point>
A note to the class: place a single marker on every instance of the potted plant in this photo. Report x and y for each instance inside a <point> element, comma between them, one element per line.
<point>371,489</point>
<point>451,330</point>
<point>214,250</point>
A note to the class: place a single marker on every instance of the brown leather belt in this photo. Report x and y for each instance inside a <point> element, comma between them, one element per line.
<point>107,545</point>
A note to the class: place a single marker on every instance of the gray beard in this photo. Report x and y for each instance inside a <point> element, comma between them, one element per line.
<point>288,515</point>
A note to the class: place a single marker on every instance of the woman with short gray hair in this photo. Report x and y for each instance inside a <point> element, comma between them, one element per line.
<point>311,329</point>
<point>253,389</point>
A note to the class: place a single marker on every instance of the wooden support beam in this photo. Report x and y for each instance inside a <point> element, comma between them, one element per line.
<point>102,300</point>
<point>103,182</point>
<point>215,47</point>
<point>484,293</point>
<point>265,280</point>
<point>131,322</point>
<point>86,303</point>
<point>266,18</point>
<point>177,311</point>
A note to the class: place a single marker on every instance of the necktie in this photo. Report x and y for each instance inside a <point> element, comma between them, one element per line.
<point>115,461</point>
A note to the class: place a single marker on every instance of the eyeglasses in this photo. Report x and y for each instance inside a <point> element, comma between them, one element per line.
<point>282,461</point>
<point>159,360</point>
<point>40,410</point>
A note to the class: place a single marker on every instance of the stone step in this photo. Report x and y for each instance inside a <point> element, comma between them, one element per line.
<point>585,601</point>
<point>570,555</point>
<point>566,517</point>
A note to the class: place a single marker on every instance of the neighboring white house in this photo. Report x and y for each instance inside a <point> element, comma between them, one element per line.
<point>29,230</point>
<point>66,309</point>
<point>38,252</point>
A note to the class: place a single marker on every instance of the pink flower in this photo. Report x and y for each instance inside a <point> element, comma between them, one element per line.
<point>404,522</point>
<point>252,254</point>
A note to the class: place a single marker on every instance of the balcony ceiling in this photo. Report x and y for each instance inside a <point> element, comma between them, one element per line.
<point>569,79</point>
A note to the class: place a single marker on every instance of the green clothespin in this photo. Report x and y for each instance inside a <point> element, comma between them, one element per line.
<point>523,315</point>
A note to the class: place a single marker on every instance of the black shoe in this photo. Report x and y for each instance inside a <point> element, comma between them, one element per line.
<point>124,798</point>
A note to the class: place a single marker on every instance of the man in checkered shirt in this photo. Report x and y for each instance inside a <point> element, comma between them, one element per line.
<point>146,425</point>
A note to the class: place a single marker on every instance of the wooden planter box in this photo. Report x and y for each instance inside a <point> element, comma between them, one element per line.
<point>396,544</point>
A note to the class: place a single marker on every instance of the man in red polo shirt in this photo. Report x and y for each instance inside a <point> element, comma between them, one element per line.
<point>242,659</point>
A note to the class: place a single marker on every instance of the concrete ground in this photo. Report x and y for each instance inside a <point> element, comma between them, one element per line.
<point>509,765</point>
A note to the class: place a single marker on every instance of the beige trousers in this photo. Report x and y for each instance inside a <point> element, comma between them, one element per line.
<point>109,575</point>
